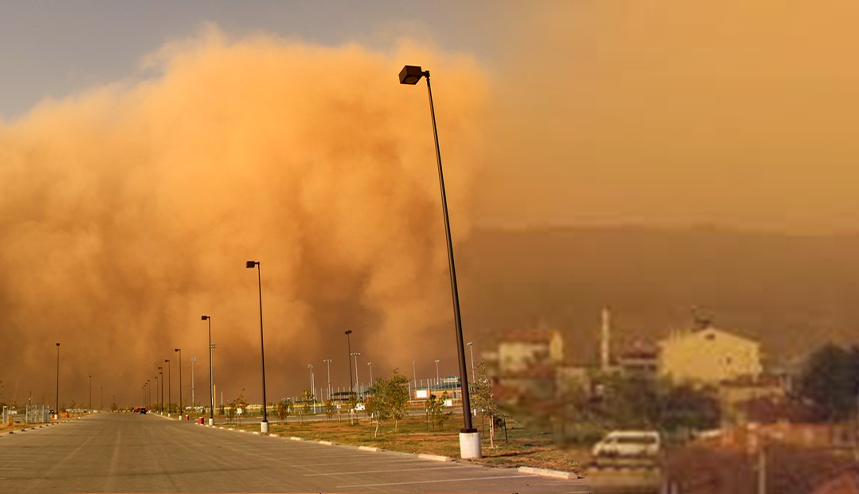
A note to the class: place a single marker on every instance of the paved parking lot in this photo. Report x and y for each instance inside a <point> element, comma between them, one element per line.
<point>145,453</point>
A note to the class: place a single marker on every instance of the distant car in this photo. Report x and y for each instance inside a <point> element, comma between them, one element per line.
<point>628,444</point>
<point>359,407</point>
<point>143,410</point>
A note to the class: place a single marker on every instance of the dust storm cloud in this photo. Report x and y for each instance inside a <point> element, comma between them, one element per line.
<point>129,210</point>
<point>671,113</point>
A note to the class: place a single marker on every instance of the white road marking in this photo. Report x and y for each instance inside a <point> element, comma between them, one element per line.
<point>442,480</point>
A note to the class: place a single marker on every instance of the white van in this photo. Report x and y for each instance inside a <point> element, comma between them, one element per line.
<point>628,444</point>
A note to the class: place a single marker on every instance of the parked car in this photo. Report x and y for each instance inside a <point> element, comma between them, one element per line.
<point>143,410</point>
<point>628,444</point>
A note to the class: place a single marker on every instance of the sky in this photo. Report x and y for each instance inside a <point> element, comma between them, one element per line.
<point>147,149</point>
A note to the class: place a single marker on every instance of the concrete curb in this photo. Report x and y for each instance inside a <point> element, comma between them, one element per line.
<point>542,472</point>
<point>424,456</point>
<point>545,472</point>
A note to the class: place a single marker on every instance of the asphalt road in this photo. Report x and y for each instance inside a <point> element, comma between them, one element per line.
<point>146,453</point>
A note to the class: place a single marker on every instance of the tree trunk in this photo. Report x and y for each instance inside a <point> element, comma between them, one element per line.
<point>492,432</point>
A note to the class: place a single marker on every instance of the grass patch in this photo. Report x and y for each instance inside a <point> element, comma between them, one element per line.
<point>522,448</point>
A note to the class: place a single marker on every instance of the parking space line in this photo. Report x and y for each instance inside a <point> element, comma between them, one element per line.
<point>438,481</point>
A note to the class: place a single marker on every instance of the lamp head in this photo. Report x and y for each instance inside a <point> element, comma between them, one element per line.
<point>177,349</point>
<point>251,264</point>
<point>411,74</point>
<point>347,332</point>
<point>205,318</point>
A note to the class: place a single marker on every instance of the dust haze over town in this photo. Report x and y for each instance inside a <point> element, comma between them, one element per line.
<point>657,159</point>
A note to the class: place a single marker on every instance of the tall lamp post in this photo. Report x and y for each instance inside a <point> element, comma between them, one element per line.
<point>437,377</point>
<point>469,438</point>
<point>57,413</point>
<point>161,375</point>
<point>264,423</point>
<point>370,366</point>
<point>148,396</point>
<point>181,408</point>
<point>158,407</point>
<point>328,365</point>
<point>312,387</point>
<point>169,386</point>
<point>471,347</point>
<point>357,382</point>
<point>349,348</point>
<point>193,398</point>
<point>90,394</point>
<point>211,383</point>
<point>415,374</point>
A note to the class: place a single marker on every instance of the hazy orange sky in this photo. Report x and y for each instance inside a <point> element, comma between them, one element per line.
<point>147,153</point>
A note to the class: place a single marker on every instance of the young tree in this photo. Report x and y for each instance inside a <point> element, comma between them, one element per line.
<point>307,400</point>
<point>330,408</point>
<point>284,409</point>
<point>482,399</point>
<point>388,400</point>
<point>239,403</point>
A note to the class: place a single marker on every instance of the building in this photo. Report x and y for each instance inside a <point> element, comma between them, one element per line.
<point>708,356</point>
<point>523,349</point>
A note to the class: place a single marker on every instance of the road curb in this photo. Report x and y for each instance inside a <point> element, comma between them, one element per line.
<point>545,472</point>
<point>368,448</point>
<point>296,438</point>
<point>327,443</point>
<point>424,456</point>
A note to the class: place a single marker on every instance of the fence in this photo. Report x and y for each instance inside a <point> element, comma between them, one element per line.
<point>30,414</point>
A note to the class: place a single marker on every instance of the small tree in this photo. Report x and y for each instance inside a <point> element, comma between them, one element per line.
<point>482,399</point>
<point>239,403</point>
<point>330,408</point>
<point>435,410</point>
<point>307,398</point>
<point>284,409</point>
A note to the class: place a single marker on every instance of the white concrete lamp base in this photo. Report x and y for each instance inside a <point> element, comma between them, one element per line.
<point>263,427</point>
<point>469,445</point>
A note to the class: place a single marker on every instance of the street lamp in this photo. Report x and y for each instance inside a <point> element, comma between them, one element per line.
<point>349,348</point>
<point>211,382</point>
<point>90,394</point>
<point>156,392</point>
<point>312,387</point>
<point>193,398</point>
<point>181,408</point>
<point>415,374</point>
<point>469,438</point>
<point>57,414</point>
<point>437,379</point>
<point>264,423</point>
<point>370,365</point>
<point>357,382</point>
<point>471,347</point>
<point>328,364</point>
<point>169,386</point>
<point>148,396</point>
<point>161,375</point>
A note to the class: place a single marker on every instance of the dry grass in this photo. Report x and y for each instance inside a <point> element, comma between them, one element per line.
<point>522,448</point>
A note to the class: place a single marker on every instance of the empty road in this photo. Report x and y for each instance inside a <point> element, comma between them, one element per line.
<point>145,453</point>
